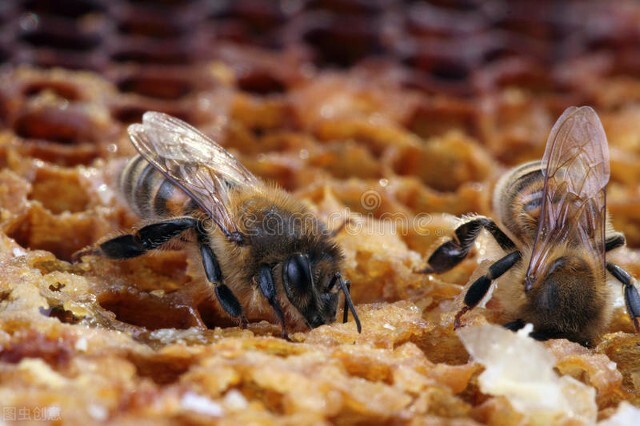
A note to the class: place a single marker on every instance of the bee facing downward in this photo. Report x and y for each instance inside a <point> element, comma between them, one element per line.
<point>255,241</point>
<point>555,233</point>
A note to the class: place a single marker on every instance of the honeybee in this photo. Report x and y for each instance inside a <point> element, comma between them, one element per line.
<point>257,242</point>
<point>553,227</point>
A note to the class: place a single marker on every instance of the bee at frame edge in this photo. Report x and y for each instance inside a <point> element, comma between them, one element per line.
<point>553,227</point>
<point>255,240</point>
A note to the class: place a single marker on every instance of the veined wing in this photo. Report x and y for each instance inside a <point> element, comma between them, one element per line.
<point>576,171</point>
<point>195,163</point>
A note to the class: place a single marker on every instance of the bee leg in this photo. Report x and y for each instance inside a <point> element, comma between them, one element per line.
<point>534,334</point>
<point>514,325</point>
<point>268,289</point>
<point>243,322</point>
<point>614,241</point>
<point>144,239</point>
<point>631,296</point>
<point>452,252</point>
<point>480,287</point>
<point>225,296</point>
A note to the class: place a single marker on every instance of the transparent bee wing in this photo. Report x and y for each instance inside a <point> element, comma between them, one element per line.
<point>576,171</point>
<point>195,163</point>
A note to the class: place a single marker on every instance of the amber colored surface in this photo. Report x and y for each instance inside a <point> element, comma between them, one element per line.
<point>397,114</point>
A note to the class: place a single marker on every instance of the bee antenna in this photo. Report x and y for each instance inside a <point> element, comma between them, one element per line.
<point>345,286</point>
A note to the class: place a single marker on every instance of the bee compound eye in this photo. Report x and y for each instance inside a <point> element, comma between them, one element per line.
<point>297,273</point>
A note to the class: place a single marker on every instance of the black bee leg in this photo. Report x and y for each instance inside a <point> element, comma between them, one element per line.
<point>144,239</point>
<point>631,296</point>
<point>455,250</point>
<point>514,325</point>
<point>535,334</point>
<point>480,287</point>
<point>614,241</point>
<point>268,289</point>
<point>225,296</point>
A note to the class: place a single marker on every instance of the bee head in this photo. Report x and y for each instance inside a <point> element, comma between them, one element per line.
<point>310,285</point>
<point>318,306</point>
<point>565,302</point>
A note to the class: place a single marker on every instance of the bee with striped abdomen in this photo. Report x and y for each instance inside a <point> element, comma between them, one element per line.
<point>553,227</point>
<point>256,241</point>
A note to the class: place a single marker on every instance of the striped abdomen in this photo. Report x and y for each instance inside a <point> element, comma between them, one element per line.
<point>150,194</point>
<point>518,199</point>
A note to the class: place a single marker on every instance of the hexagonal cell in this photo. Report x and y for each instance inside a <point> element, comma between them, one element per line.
<point>149,311</point>
<point>46,125</point>
<point>152,52</point>
<point>61,155</point>
<point>130,110</point>
<point>63,235</point>
<point>59,190</point>
<point>61,34</point>
<point>347,159</point>
<point>161,84</point>
<point>442,164</point>
<point>68,8</point>
<point>63,90</point>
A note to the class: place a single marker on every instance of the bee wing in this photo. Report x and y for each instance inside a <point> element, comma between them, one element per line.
<point>576,171</point>
<point>195,163</point>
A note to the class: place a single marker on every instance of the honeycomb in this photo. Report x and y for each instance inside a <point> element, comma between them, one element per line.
<point>399,114</point>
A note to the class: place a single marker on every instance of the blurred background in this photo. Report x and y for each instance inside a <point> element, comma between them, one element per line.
<point>461,50</point>
<point>425,102</point>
